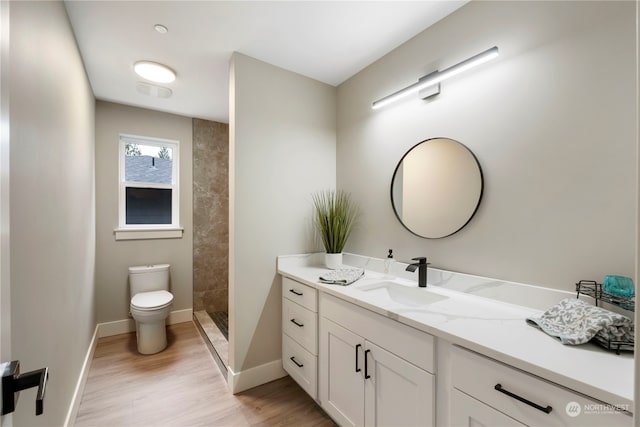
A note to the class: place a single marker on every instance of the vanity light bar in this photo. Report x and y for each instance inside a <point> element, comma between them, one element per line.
<point>438,76</point>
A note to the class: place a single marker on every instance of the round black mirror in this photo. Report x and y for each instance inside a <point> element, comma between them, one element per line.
<point>436,188</point>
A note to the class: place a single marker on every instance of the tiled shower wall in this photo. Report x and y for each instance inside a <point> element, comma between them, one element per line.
<point>210,215</point>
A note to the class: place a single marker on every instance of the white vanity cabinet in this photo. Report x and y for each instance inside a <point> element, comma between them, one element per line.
<point>487,392</point>
<point>300,334</point>
<point>370,359</point>
<point>373,370</point>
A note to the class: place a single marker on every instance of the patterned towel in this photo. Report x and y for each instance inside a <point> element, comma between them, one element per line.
<point>576,322</point>
<point>342,276</point>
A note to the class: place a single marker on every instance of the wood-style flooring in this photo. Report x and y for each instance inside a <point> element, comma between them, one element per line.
<point>182,386</point>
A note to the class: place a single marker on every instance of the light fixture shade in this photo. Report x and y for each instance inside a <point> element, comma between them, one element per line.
<point>438,76</point>
<point>154,72</point>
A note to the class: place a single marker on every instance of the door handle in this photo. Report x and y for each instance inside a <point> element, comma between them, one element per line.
<point>357,367</point>
<point>13,381</point>
<point>366,365</point>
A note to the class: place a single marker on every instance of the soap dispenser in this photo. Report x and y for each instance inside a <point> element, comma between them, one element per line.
<point>388,263</point>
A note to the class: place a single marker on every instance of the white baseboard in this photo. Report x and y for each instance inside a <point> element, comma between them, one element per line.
<point>116,327</point>
<point>253,377</point>
<point>108,329</point>
<point>82,381</point>
<point>124,326</point>
<point>180,316</point>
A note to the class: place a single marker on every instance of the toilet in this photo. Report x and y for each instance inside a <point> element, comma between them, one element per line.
<point>150,305</point>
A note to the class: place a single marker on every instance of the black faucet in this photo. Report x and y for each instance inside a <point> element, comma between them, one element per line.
<point>421,266</point>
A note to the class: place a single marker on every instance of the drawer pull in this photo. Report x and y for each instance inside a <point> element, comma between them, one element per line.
<point>293,291</point>
<point>546,410</point>
<point>366,365</point>
<point>293,359</point>
<point>300,325</point>
<point>357,367</point>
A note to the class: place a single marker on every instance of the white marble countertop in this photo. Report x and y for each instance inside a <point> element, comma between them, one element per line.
<point>496,329</point>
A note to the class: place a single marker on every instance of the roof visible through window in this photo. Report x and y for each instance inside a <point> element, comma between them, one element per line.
<point>148,169</point>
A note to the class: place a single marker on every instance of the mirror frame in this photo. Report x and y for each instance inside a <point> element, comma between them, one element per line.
<point>395,172</point>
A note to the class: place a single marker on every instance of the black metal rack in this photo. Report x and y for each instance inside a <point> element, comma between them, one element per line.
<point>593,289</point>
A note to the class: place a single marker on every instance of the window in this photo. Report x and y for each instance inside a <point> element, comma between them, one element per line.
<point>149,191</point>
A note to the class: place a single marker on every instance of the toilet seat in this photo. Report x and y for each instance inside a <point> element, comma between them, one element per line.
<point>148,301</point>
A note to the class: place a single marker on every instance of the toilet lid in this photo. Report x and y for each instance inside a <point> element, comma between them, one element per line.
<point>151,300</point>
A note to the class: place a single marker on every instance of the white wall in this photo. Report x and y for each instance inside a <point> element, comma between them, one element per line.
<point>114,257</point>
<point>552,122</point>
<point>5,142</point>
<point>52,205</point>
<point>282,148</point>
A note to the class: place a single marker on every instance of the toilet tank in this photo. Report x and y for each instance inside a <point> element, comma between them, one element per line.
<point>148,278</point>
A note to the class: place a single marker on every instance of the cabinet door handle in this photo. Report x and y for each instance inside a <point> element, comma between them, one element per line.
<point>300,325</point>
<point>293,359</point>
<point>357,367</point>
<point>546,410</point>
<point>366,365</point>
<point>13,382</point>
<point>293,291</point>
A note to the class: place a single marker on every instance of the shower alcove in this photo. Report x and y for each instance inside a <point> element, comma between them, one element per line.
<point>211,235</point>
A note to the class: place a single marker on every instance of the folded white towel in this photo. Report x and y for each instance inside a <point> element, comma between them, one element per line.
<point>576,322</point>
<point>342,276</point>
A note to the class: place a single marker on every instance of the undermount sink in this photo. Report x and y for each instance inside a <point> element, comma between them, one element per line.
<point>406,295</point>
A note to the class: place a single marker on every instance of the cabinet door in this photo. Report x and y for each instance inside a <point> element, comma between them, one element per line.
<point>469,412</point>
<point>341,374</point>
<point>397,393</point>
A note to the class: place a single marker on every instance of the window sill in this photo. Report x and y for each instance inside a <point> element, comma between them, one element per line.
<point>148,233</point>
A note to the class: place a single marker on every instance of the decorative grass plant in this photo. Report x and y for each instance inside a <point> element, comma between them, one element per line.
<point>334,216</point>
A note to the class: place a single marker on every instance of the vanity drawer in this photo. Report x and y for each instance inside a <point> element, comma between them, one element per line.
<point>300,324</point>
<point>301,365</point>
<point>481,377</point>
<point>304,295</point>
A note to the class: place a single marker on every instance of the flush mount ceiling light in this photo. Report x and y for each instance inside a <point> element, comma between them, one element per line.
<point>154,72</point>
<point>433,80</point>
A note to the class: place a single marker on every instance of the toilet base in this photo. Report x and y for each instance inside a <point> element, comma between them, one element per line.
<point>151,337</point>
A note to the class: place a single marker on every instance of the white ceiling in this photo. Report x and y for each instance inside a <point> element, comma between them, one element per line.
<point>329,41</point>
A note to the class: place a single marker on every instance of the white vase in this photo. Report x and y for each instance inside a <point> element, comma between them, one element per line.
<point>333,261</point>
